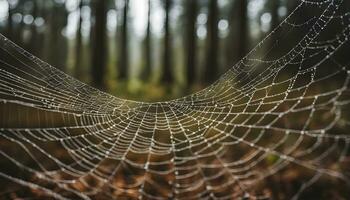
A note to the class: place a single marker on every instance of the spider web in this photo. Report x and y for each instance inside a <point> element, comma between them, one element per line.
<point>281,112</point>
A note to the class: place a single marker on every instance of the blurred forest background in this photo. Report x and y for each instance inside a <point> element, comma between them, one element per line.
<point>141,49</point>
<point>153,50</point>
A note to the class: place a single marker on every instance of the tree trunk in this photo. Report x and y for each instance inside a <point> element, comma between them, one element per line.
<point>10,23</point>
<point>275,37</point>
<point>237,47</point>
<point>274,12</point>
<point>147,47</point>
<point>243,28</point>
<point>57,42</point>
<point>78,45</point>
<point>40,38</point>
<point>191,41</point>
<point>211,68</point>
<point>124,55</point>
<point>167,61</point>
<point>33,43</point>
<point>99,44</point>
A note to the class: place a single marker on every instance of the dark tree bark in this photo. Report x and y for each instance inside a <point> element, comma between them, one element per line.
<point>40,31</point>
<point>17,29</point>
<point>274,12</point>
<point>275,37</point>
<point>78,45</point>
<point>124,55</point>
<point>211,68</point>
<point>99,44</point>
<point>57,42</point>
<point>147,46</point>
<point>237,47</point>
<point>243,28</point>
<point>9,30</point>
<point>191,40</point>
<point>33,43</point>
<point>167,60</point>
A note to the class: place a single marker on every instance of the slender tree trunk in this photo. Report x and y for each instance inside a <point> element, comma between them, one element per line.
<point>78,44</point>
<point>274,12</point>
<point>18,33</point>
<point>58,43</point>
<point>10,24</point>
<point>167,56</point>
<point>275,37</point>
<point>231,45</point>
<point>124,55</point>
<point>211,68</point>
<point>99,44</point>
<point>40,29</point>
<point>33,43</point>
<point>237,47</point>
<point>243,28</point>
<point>147,46</point>
<point>191,41</point>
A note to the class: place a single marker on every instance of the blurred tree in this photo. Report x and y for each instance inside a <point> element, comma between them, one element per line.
<point>124,54</point>
<point>99,44</point>
<point>275,20</point>
<point>57,43</point>
<point>167,56</point>
<point>211,68</point>
<point>275,5</point>
<point>191,40</point>
<point>78,44</point>
<point>33,45</point>
<point>243,28</point>
<point>17,32</point>
<point>237,46</point>
<point>9,31</point>
<point>147,46</point>
<point>39,24</point>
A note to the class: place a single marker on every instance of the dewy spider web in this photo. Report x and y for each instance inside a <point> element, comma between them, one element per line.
<point>282,109</point>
